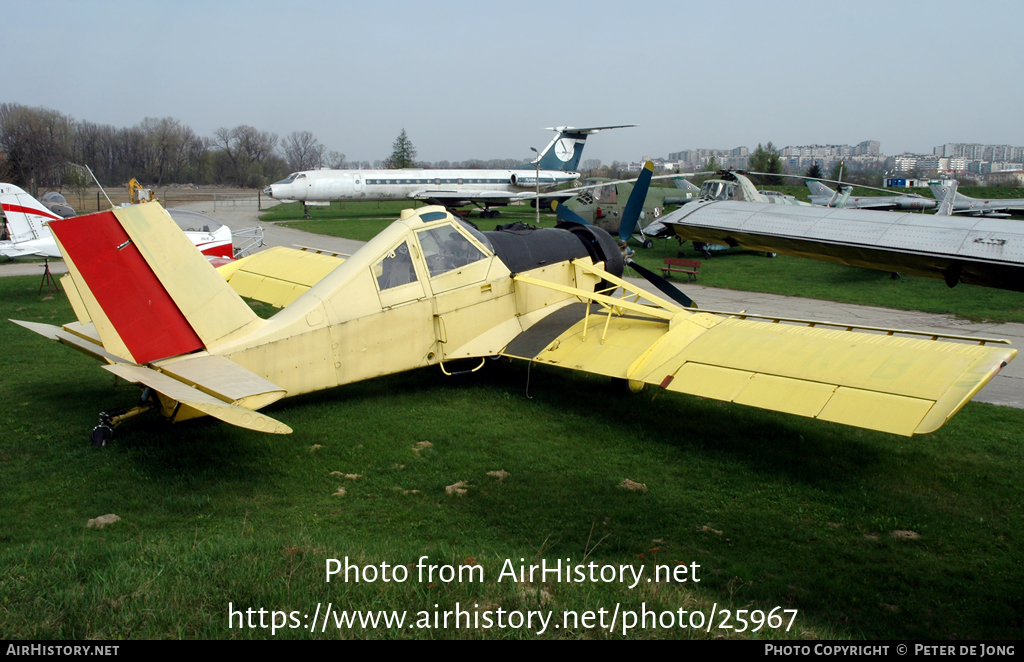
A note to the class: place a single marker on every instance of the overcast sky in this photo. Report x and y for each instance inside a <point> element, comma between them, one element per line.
<point>482,79</point>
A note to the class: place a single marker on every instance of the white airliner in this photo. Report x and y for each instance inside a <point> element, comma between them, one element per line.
<point>452,188</point>
<point>30,236</point>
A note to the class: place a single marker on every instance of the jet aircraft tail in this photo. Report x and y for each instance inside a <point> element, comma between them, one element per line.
<point>26,216</point>
<point>565,149</point>
<point>819,190</point>
<point>684,184</point>
<point>946,195</point>
<point>940,191</point>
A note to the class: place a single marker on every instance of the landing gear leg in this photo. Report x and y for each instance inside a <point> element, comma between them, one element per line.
<point>104,431</point>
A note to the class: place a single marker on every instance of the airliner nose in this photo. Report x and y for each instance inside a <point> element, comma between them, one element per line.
<point>269,191</point>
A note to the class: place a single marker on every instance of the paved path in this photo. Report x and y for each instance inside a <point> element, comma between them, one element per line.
<point>1006,389</point>
<point>274,235</point>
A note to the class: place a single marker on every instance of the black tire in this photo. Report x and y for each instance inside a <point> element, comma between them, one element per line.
<point>101,434</point>
<point>648,243</point>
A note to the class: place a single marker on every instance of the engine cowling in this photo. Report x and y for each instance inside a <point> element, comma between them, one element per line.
<point>523,248</point>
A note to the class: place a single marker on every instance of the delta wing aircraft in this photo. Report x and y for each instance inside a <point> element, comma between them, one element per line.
<point>430,289</point>
<point>990,207</point>
<point>826,197</point>
<point>558,164</point>
<point>978,251</point>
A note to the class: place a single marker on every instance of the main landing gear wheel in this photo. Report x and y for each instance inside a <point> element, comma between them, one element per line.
<point>648,243</point>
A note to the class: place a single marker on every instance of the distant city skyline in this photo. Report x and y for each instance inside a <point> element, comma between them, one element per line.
<point>473,80</point>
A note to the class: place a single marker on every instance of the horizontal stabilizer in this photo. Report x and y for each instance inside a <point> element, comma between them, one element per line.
<point>224,379</point>
<point>199,400</point>
<point>76,341</point>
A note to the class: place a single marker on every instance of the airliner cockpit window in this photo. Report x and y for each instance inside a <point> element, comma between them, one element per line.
<point>289,179</point>
<point>445,248</point>
<point>395,269</point>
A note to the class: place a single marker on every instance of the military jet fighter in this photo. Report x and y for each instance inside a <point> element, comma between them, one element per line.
<point>991,207</point>
<point>826,197</point>
<point>430,290</point>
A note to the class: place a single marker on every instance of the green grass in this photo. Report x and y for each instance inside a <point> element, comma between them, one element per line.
<point>737,269</point>
<point>776,510</point>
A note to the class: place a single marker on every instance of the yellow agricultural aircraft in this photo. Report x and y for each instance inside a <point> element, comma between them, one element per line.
<point>430,289</point>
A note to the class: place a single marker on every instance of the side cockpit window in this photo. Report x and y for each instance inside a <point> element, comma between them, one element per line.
<point>445,248</point>
<point>395,269</point>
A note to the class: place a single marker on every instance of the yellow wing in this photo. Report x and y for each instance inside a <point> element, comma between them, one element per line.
<point>872,378</point>
<point>279,275</point>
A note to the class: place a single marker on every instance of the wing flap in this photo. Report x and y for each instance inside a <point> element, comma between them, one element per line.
<point>882,382</point>
<point>890,413</point>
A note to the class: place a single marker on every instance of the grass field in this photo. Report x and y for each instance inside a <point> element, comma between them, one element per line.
<point>865,534</point>
<point>736,269</point>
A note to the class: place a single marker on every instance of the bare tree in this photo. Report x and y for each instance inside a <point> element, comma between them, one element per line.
<point>168,146</point>
<point>34,142</point>
<point>335,160</point>
<point>302,151</point>
<point>246,152</point>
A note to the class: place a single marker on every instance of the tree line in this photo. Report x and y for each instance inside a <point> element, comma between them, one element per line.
<point>39,145</point>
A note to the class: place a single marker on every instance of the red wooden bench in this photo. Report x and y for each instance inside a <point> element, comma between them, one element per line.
<point>679,265</point>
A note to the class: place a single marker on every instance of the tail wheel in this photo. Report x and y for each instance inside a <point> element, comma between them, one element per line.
<point>102,433</point>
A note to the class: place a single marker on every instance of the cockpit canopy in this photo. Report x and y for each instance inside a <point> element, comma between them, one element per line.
<point>291,178</point>
<point>717,189</point>
<point>193,221</point>
<point>54,197</point>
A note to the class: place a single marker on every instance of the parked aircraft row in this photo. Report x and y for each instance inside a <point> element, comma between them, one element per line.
<point>824,196</point>
<point>981,251</point>
<point>990,207</point>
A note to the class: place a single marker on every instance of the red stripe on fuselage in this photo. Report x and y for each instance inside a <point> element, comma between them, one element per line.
<point>136,303</point>
<point>217,250</point>
<point>29,210</point>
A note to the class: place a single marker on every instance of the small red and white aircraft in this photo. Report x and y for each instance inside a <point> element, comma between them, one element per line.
<point>29,233</point>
